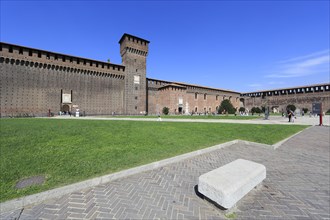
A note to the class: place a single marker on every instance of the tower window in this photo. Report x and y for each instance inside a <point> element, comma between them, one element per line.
<point>10,49</point>
<point>20,50</point>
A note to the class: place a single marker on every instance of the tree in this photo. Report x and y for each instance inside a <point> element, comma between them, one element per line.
<point>241,109</point>
<point>226,107</point>
<point>305,110</point>
<point>166,110</point>
<point>253,110</point>
<point>291,107</point>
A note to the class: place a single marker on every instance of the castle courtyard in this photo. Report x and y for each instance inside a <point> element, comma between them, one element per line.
<point>296,187</point>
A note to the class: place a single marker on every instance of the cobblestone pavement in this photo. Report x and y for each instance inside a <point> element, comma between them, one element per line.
<point>296,187</point>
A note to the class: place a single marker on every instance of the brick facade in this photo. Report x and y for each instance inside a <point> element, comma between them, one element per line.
<point>182,98</point>
<point>301,97</point>
<point>34,82</point>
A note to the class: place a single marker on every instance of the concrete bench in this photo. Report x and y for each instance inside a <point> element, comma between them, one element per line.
<point>229,183</point>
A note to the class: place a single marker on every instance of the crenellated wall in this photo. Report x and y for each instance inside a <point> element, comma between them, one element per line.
<point>301,97</point>
<point>32,82</point>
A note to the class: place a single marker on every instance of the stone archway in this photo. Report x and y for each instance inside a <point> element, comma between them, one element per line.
<point>241,102</point>
<point>65,108</point>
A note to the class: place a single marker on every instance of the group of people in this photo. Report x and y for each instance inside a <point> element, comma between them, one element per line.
<point>64,113</point>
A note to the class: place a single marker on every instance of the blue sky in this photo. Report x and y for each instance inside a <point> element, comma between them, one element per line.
<point>243,46</point>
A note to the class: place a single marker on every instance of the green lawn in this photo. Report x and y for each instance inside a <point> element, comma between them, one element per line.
<point>67,151</point>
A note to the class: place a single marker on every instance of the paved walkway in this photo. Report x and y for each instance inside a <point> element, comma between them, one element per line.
<point>300,120</point>
<point>296,187</point>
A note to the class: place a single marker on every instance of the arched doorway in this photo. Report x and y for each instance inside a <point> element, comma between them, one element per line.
<point>241,102</point>
<point>65,108</point>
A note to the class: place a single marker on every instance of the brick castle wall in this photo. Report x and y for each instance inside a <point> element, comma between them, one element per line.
<point>184,98</point>
<point>301,97</point>
<point>32,82</point>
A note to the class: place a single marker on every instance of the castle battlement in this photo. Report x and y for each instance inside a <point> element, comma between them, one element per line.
<point>29,54</point>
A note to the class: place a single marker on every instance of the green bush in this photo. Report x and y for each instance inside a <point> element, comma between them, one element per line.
<point>226,107</point>
<point>241,109</point>
<point>305,110</point>
<point>166,110</point>
<point>256,110</point>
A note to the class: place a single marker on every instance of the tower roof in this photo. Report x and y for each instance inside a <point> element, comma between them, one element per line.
<point>131,36</point>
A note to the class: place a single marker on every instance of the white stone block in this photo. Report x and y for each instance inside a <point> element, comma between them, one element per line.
<point>229,183</point>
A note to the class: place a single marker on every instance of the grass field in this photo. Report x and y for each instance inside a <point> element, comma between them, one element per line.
<point>67,151</point>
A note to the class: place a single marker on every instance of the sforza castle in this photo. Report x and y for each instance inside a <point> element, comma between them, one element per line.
<point>34,81</point>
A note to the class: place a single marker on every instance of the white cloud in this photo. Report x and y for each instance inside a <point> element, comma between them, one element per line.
<point>255,85</point>
<point>311,64</point>
<point>275,83</point>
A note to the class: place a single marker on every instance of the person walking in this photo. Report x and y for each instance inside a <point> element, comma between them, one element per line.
<point>289,115</point>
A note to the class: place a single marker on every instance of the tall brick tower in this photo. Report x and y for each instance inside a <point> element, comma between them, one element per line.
<point>134,51</point>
